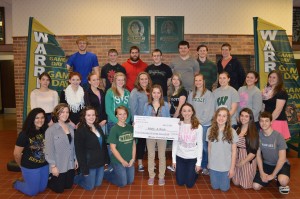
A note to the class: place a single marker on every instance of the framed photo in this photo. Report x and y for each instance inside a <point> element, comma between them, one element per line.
<point>135,32</point>
<point>296,25</point>
<point>169,31</point>
<point>2,26</point>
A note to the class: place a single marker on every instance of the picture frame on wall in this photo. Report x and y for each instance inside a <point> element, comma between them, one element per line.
<point>135,31</point>
<point>169,31</point>
<point>296,25</point>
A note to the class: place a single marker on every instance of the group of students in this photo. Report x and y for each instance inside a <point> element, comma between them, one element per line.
<point>218,133</point>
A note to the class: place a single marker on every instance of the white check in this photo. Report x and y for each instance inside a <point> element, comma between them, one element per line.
<point>162,128</point>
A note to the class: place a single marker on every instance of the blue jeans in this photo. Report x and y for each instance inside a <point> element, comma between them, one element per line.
<point>120,176</point>
<point>205,149</point>
<point>219,180</point>
<point>35,180</point>
<point>94,179</point>
<point>185,172</point>
<point>109,126</point>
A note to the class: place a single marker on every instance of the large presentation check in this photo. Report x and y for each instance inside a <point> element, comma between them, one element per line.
<point>163,128</point>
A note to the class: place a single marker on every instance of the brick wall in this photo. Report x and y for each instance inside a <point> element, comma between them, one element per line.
<point>241,45</point>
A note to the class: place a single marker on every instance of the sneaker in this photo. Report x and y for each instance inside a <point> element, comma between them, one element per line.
<point>171,168</point>
<point>151,181</point>
<point>205,172</point>
<point>141,168</point>
<point>284,190</point>
<point>161,182</point>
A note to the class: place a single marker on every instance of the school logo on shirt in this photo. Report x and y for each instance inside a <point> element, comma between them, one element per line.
<point>199,99</point>
<point>124,99</point>
<point>221,101</point>
<point>126,137</point>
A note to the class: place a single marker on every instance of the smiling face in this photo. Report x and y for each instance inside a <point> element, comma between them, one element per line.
<point>251,79</point>
<point>202,52</point>
<point>156,57</point>
<point>82,45</point>
<point>121,115</point>
<point>94,81</point>
<point>265,123</point>
<point>187,112</point>
<point>90,117</point>
<point>156,94</point>
<point>75,81</point>
<point>225,52</point>
<point>175,81</point>
<point>244,118</point>
<point>39,120</point>
<point>120,81</point>
<point>64,115</point>
<point>44,81</point>
<point>273,79</point>
<point>143,80</point>
<point>222,118</point>
<point>183,50</point>
<point>223,80</point>
<point>199,82</point>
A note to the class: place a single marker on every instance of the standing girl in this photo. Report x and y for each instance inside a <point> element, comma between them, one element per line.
<point>203,102</point>
<point>178,96</point>
<point>94,96</point>
<point>44,97</point>
<point>123,148</point>
<point>156,107</point>
<point>222,140</point>
<point>187,150</point>
<point>29,154</point>
<point>60,151</point>
<point>247,146</point>
<point>250,96</point>
<point>73,95</point>
<point>116,96</point>
<point>138,98</point>
<point>275,98</point>
<point>91,150</point>
<point>227,96</point>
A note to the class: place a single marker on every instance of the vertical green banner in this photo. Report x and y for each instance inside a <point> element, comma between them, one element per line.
<point>274,52</point>
<point>135,32</point>
<point>43,55</point>
<point>169,31</point>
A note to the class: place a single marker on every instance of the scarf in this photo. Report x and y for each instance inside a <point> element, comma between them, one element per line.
<point>75,98</point>
<point>267,93</point>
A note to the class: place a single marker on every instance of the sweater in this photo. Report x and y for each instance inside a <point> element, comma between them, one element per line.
<point>137,102</point>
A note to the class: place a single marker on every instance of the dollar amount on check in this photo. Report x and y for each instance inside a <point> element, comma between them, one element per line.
<point>156,127</point>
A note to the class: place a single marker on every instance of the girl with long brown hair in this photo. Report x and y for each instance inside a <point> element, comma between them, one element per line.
<point>187,150</point>
<point>222,140</point>
<point>247,146</point>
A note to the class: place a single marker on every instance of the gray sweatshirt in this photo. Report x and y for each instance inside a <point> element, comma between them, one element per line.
<point>250,98</point>
<point>204,106</point>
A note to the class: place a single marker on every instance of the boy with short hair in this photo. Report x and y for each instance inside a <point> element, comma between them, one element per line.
<point>108,70</point>
<point>271,157</point>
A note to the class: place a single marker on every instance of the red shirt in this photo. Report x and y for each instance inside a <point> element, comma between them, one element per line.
<point>132,71</point>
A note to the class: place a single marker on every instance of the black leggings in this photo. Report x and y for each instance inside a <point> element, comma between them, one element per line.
<point>63,181</point>
<point>140,148</point>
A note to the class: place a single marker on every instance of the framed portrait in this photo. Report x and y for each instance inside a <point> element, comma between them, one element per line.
<point>296,25</point>
<point>2,26</point>
<point>135,31</point>
<point>169,31</point>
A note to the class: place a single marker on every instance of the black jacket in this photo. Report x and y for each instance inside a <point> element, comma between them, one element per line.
<point>236,72</point>
<point>90,99</point>
<point>88,151</point>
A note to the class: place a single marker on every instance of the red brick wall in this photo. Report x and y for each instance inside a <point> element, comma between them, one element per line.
<point>241,44</point>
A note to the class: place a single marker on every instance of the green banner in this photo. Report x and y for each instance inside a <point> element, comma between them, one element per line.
<point>43,55</point>
<point>273,51</point>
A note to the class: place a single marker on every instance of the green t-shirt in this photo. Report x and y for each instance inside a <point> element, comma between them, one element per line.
<point>123,138</point>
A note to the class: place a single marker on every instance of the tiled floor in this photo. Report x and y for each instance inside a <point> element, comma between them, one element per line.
<point>139,189</point>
